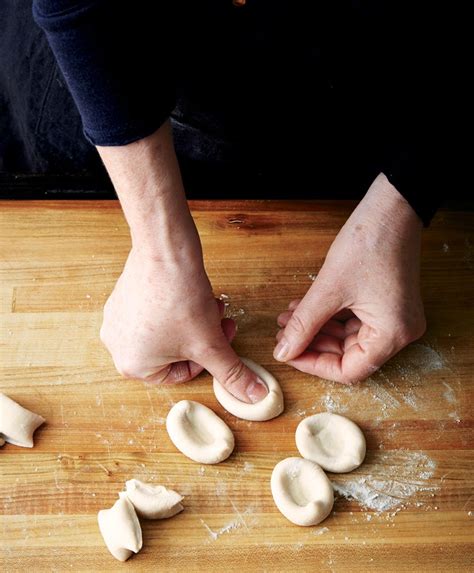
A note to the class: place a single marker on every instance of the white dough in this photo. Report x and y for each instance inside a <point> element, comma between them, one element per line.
<point>17,424</point>
<point>270,407</point>
<point>332,441</point>
<point>153,501</point>
<point>120,528</point>
<point>302,491</point>
<point>199,433</point>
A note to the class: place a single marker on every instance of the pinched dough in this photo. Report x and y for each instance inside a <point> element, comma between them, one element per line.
<point>332,441</point>
<point>270,407</point>
<point>199,433</point>
<point>17,424</point>
<point>120,528</point>
<point>153,501</point>
<point>301,491</point>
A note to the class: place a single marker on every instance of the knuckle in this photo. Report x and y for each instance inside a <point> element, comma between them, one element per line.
<point>128,367</point>
<point>408,332</point>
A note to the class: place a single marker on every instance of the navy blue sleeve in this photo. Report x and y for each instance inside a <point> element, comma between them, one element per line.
<point>107,54</point>
<point>403,83</point>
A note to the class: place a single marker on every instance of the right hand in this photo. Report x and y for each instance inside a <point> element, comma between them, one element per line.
<point>162,324</point>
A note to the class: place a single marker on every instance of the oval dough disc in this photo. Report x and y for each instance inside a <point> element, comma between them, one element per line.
<point>17,424</point>
<point>121,529</point>
<point>302,491</point>
<point>153,501</point>
<point>332,441</point>
<point>270,407</point>
<point>199,433</point>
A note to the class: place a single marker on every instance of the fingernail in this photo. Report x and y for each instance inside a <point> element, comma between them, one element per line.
<point>256,390</point>
<point>281,350</point>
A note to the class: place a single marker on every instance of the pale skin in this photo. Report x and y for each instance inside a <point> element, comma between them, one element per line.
<point>162,323</point>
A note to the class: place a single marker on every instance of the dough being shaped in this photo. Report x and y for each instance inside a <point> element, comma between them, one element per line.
<point>17,424</point>
<point>270,407</point>
<point>302,491</point>
<point>199,433</point>
<point>332,441</point>
<point>153,501</point>
<point>120,528</point>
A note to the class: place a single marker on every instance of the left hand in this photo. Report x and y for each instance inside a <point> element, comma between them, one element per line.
<point>365,304</point>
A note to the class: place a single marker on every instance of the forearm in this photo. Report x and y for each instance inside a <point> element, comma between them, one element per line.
<point>147,180</point>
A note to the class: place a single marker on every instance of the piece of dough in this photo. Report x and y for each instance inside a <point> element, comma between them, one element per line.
<point>332,441</point>
<point>153,501</point>
<point>302,491</point>
<point>120,528</point>
<point>17,424</point>
<point>270,407</point>
<point>199,433</point>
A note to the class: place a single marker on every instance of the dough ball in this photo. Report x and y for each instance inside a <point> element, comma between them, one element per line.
<point>302,491</point>
<point>332,441</point>
<point>153,501</point>
<point>199,433</point>
<point>270,407</point>
<point>121,529</point>
<point>17,424</point>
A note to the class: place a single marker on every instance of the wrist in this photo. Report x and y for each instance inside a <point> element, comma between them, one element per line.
<point>147,180</point>
<point>387,208</point>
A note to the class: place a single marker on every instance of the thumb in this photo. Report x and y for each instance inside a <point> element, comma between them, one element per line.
<point>227,368</point>
<point>314,310</point>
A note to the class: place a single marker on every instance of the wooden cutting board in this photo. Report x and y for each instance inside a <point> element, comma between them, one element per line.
<point>410,507</point>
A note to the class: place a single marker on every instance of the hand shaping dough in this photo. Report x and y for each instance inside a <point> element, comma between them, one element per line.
<point>153,501</point>
<point>332,441</point>
<point>199,433</point>
<point>17,424</point>
<point>301,491</point>
<point>120,528</point>
<point>270,407</point>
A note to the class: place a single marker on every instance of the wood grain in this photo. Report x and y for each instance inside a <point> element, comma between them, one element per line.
<point>59,262</point>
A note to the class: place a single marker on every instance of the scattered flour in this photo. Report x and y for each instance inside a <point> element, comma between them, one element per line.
<point>332,404</point>
<point>320,531</point>
<point>248,467</point>
<point>449,395</point>
<point>231,526</point>
<point>395,478</point>
<point>221,488</point>
<point>400,384</point>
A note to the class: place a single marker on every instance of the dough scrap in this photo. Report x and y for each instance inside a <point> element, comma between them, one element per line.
<point>199,433</point>
<point>302,491</point>
<point>120,528</point>
<point>17,424</point>
<point>332,441</point>
<point>153,501</point>
<point>270,407</point>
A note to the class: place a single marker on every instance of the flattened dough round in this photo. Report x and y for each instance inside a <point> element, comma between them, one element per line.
<point>270,407</point>
<point>199,433</point>
<point>153,501</point>
<point>332,441</point>
<point>302,491</point>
